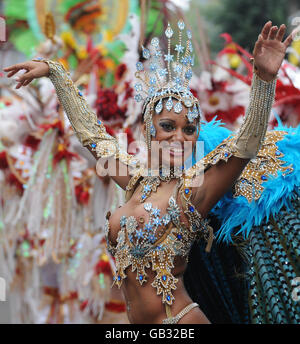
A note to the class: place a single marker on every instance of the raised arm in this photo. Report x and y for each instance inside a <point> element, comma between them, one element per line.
<point>89,130</point>
<point>268,55</point>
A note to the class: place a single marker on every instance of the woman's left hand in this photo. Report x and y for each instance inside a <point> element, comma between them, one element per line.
<point>269,50</point>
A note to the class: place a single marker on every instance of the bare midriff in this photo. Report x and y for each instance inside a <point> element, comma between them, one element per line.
<point>144,306</point>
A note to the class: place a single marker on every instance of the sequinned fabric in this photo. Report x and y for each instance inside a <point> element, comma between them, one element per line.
<point>273,250</point>
<point>253,129</point>
<point>90,131</point>
<point>156,244</point>
<point>143,248</point>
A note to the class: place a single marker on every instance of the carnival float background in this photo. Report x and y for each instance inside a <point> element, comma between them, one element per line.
<point>52,251</point>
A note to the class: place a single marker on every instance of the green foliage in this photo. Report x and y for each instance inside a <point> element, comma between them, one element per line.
<point>16,9</point>
<point>243,20</point>
<point>24,41</point>
<point>154,20</point>
<point>212,29</point>
<point>65,5</point>
<point>116,50</point>
<point>151,29</point>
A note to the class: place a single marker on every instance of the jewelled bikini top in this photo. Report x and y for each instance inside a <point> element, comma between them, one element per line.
<point>164,236</point>
<point>156,242</point>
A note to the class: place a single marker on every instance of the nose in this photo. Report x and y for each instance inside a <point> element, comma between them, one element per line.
<point>178,135</point>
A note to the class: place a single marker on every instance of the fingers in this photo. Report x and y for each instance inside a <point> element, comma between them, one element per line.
<point>20,84</point>
<point>25,77</point>
<point>258,44</point>
<point>266,29</point>
<point>289,39</point>
<point>12,73</point>
<point>27,82</point>
<point>24,83</point>
<point>280,32</point>
<point>22,80</point>
<point>295,35</point>
<point>7,69</point>
<point>15,67</point>
<point>273,32</point>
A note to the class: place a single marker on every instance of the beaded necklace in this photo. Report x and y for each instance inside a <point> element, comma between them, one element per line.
<point>152,182</point>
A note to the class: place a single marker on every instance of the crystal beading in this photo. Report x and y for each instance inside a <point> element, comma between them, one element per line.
<point>253,129</point>
<point>89,130</point>
<point>166,76</point>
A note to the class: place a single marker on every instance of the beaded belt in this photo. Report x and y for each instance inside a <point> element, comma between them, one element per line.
<point>174,320</point>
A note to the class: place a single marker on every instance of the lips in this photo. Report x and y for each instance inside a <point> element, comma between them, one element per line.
<point>176,151</point>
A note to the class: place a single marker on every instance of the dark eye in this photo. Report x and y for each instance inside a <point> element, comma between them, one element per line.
<point>167,126</point>
<point>190,130</point>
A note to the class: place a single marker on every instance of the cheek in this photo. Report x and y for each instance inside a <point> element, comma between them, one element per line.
<point>161,134</point>
<point>190,143</point>
<point>189,146</point>
<point>192,138</point>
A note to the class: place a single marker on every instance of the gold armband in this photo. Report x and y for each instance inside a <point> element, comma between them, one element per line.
<point>89,130</point>
<point>253,129</point>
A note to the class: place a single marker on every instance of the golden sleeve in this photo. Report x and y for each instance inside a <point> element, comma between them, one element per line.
<point>249,139</point>
<point>251,134</point>
<point>89,130</point>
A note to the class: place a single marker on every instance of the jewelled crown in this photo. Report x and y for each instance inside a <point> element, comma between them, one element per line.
<point>167,76</point>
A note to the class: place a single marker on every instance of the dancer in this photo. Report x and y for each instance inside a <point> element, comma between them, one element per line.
<point>165,213</point>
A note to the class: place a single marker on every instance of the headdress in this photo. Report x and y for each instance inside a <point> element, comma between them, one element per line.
<point>166,76</point>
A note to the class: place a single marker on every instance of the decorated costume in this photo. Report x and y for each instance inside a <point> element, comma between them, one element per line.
<point>252,268</point>
<point>148,245</point>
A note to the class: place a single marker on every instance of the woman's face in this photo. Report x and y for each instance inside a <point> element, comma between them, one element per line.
<point>175,134</point>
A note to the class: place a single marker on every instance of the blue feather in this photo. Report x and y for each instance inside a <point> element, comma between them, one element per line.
<point>278,191</point>
<point>212,134</point>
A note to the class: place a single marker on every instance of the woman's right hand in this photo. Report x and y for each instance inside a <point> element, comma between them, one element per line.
<point>34,70</point>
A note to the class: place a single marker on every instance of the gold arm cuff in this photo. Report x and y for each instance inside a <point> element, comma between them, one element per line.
<point>252,132</point>
<point>89,130</point>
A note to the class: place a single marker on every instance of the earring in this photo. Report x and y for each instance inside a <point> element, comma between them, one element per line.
<point>148,133</point>
<point>152,129</point>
